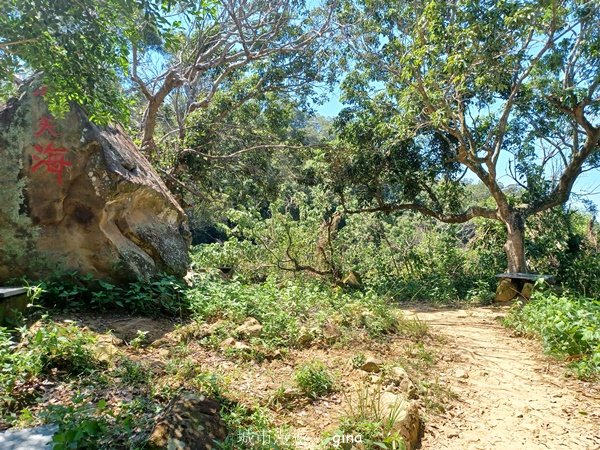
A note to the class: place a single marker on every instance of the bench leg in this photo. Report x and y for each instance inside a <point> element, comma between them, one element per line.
<point>507,290</point>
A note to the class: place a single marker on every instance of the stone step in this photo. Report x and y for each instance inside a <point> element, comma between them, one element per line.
<point>6,292</point>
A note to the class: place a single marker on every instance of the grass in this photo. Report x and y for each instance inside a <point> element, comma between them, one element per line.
<point>49,348</point>
<point>568,327</point>
<point>106,407</point>
<point>313,379</point>
<point>89,424</point>
<point>133,373</point>
<point>252,429</point>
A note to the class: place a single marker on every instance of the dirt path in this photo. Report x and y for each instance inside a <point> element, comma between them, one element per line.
<point>509,395</point>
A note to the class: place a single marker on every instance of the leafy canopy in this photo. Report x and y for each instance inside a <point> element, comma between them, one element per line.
<point>83,48</point>
<point>491,78</point>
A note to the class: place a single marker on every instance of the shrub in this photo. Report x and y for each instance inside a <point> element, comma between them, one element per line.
<point>63,347</point>
<point>368,420</point>
<point>568,326</point>
<point>42,349</point>
<point>252,429</point>
<point>165,294</point>
<point>86,424</point>
<point>133,373</point>
<point>313,379</point>
<point>16,366</point>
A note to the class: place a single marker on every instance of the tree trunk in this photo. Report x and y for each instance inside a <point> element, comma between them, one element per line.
<point>149,127</point>
<point>515,244</point>
<point>172,81</point>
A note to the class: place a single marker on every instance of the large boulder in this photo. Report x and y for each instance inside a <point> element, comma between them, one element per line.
<point>75,196</point>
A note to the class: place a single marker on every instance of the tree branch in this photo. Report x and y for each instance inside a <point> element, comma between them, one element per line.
<point>473,211</point>
<point>5,45</point>
<point>249,149</point>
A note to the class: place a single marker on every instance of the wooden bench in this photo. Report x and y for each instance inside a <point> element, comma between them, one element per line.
<point>513,284</point>
<point>12,299</point>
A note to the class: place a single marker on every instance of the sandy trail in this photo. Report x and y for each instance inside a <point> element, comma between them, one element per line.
<point>510,395</point>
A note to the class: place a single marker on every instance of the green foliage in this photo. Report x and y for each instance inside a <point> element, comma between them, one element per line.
<point>568,326</point>
<point>562,242</point>
<point>210,384</point>
<point>83,48</point>
<point>406,257</point>
<point>81,425</point>
<point>16,367</point>
<point>565,243</point>
<point>43,349</point>
<point>438,90</point>
<point>71,290</point>
<point>373,163</point>
<point>313,379</point>
<point>358,360</point>
<point>481,293</point>
<point>253,430</point>
<point>243,155</point>
<point>231,254</point>
<point>293,314</point>
<point>581,272</point>
<point>139,340</point>
<point>87,424</point>
<point>80,52</point>
<point>133,373</point>
<point>63,347</point>
<point>370,421</point>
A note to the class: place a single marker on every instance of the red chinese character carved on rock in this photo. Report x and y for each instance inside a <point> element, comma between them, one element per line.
<point>53,160</point>
<point>45,126</point>
<point>41,91</point>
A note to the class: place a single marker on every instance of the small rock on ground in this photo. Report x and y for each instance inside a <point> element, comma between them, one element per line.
<point>190,422</point>
<point>250,328</point>
<point>371,365</point>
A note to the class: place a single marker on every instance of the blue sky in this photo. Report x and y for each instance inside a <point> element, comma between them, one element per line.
<point>587,183</point>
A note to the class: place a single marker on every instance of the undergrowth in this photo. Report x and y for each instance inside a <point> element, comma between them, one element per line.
<point>368,421</point>
<point>298,314</point>
<point>163,295</point>
<point>568,327</point>
<point>313,379</point>
<point>88,424</point>
<point>49,348</point>
<point>113,404</point>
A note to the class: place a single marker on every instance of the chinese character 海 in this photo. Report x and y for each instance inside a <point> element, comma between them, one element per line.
<point>53,159</point>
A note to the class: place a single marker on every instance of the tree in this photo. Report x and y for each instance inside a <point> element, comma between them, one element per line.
<point>98,53</point>
<point>82,48</point>
<point>272,41</point>
<point>441,87</point>
<point>237,156</point>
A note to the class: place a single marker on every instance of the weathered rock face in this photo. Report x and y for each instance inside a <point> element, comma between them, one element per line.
<point>75,196</point>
